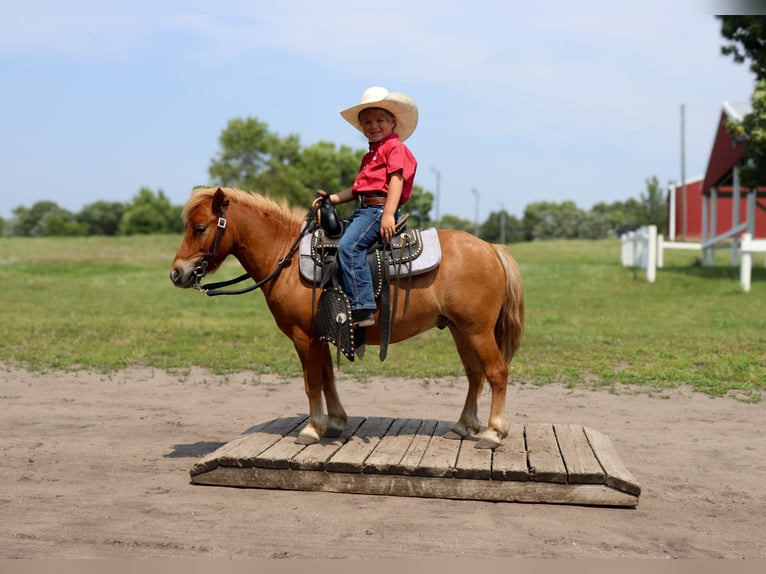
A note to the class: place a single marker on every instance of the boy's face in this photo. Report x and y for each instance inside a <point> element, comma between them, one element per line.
<point>376,123</point>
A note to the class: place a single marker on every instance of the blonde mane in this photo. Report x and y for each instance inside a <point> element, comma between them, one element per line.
<point>201,195</point>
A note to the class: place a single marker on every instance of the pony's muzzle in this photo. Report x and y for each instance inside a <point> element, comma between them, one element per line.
<point>181,277</point>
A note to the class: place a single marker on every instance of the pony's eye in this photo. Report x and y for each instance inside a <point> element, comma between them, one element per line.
<point>200,229</point>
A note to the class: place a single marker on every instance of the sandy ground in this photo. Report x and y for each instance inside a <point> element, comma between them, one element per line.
<point>98,466</point>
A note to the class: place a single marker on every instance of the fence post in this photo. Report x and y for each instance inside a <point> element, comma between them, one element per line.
<point>651,255</point>
<point>746,263</point>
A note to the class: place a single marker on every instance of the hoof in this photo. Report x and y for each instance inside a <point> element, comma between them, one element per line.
<point>457,432</point>
<point>488,439</point>
<point>307,436</point>
<point>335,426</point>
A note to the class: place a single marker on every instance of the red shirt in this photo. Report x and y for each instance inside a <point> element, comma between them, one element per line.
<point>385,157</point>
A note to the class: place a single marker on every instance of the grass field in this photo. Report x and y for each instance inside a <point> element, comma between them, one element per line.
<point>106,304</point>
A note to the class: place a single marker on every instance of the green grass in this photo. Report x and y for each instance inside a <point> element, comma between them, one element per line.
<point>107,304</point>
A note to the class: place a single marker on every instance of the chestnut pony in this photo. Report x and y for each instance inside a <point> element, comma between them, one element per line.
<point>475,292</point>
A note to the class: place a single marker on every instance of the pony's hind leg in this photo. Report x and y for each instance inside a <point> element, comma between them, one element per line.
<point>482,359</point>
<point>497,375</point>
<point>468,423</point>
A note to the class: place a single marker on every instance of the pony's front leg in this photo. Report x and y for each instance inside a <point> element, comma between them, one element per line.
<point>318,377</point>
<point>336,414</point>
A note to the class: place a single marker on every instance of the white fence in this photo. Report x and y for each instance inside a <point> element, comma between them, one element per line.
<point>644,249</point>
<point>639,249</point>
<point>662,245</point>
<point>748,247</point>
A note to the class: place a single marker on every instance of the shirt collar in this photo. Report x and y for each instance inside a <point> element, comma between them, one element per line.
<point>376,145</point>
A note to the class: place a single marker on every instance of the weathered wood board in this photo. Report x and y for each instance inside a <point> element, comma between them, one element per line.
<point>542,463</point>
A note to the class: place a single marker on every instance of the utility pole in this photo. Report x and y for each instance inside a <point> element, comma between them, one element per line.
<point>438,192</point>
<point>683,177</point>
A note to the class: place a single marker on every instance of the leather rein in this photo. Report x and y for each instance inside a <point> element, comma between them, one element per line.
<point>213,289</point>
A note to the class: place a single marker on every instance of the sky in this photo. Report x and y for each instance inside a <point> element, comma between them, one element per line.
<point>520,102</point>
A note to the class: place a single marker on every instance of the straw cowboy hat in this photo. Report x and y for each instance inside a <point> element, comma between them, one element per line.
<point>399,104</point>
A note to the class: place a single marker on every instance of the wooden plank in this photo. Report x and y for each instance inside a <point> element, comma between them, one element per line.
<point>231,449</point>
<point>582,465</point>
<point>315,456</point>
<point>440,455</point>
<point>411,459</point>
<point>545,463</point>
<point>351,456</point>
<point>246,451</point>
<point>617,475</point>
<point>279,454</point>
<point>387,456</point>
<point>473,462</point>
<point>419,486</point>
<point>509,461</point>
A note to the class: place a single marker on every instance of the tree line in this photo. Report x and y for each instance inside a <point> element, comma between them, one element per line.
<point>253,158</point>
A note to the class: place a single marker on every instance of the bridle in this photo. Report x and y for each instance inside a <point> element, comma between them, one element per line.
<point>213,289</point>
<point>201,269</point>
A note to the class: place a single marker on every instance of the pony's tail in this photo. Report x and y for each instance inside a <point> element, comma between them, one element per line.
<point>510,322</point>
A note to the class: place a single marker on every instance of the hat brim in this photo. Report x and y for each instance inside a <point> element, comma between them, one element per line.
<point>400,105</point>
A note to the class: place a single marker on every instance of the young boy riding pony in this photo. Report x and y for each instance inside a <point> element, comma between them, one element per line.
<point>383,184</point>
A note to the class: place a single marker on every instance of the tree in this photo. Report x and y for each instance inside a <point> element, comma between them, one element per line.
<point>752,131</point>
<point>501,227</point>
<point>454,222</point>
<point>418,206</point>
<point>101,217</point>
<point>150,213</point>
<point>654,206</point>
<point>594,225</point>
<point>548,220</point>
<point>62,223</point>
<point>322,166</point>
<point>254,159</point>
<point>748,41</point>
<point>30,222</point>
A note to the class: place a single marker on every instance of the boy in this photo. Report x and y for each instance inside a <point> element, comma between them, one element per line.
<point>384,182</point>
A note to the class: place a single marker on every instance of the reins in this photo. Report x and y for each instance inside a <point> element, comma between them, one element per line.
<point>213,289</point>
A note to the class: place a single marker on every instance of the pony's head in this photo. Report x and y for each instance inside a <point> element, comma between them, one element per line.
<point>205,244</point>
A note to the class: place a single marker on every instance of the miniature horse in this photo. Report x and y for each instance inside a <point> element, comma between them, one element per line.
<point>475,292</point>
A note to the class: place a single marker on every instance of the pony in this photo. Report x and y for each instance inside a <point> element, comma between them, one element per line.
<point>475,292</point>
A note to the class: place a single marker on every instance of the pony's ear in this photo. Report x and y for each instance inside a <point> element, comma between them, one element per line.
<point>218,198</point>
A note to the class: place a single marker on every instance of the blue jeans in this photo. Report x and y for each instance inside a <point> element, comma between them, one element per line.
<point>362,231</point>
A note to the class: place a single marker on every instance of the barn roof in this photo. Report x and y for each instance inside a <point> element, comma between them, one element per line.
<point>726,152</point>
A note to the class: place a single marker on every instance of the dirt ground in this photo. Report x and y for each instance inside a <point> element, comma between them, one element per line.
<point>97,466</point>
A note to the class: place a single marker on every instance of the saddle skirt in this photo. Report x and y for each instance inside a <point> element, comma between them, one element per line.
<point>413,252</point>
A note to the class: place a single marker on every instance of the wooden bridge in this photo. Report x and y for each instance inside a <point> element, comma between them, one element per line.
<point>541,463</point>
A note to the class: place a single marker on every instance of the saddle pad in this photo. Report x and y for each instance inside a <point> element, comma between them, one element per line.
<point>428,260</point>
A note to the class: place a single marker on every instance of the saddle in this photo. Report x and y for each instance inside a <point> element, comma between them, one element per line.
<point>411,252</point>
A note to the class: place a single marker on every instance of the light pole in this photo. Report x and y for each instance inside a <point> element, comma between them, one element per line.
<point>438,192</point>
<point>476,220</point>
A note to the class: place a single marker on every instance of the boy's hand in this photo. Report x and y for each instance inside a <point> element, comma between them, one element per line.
<point>387,226</point>
<point>321,194</point>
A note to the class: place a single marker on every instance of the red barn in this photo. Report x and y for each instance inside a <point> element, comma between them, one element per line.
<point>717,190</point>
